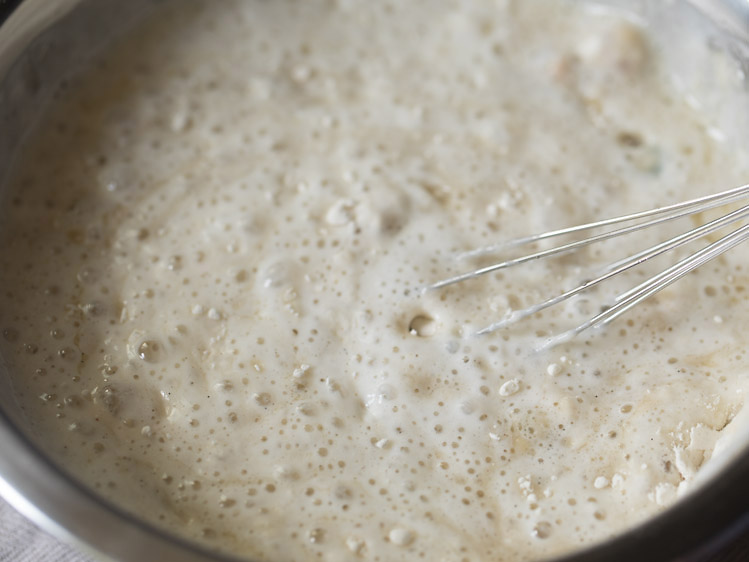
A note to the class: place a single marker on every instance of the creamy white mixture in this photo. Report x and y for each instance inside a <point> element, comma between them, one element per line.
<point>211,259</point>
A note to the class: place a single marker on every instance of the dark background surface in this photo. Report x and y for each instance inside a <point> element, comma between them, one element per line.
<point>6,7</point>
<point>735,551</point>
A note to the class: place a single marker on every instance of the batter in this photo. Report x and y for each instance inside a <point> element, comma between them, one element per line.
<point>212,253</point>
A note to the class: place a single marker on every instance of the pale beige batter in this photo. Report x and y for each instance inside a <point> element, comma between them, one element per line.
<point>211,260</point>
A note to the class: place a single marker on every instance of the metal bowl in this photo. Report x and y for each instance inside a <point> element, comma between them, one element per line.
<point>42,40</point>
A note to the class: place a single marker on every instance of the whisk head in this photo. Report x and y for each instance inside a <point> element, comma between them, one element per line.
<point>639,221</point>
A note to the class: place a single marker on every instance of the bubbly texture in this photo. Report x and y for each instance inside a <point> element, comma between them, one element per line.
<point>212,253</point>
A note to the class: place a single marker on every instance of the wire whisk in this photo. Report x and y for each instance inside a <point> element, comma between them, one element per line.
<point>628,299</point>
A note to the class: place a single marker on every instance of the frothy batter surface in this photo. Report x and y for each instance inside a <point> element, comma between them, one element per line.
<point>211,259</point>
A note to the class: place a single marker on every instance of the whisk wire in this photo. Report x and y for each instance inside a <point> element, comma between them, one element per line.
<point>702,203</point>
<point>655,284</point>
<point>626,300</point>
<point>676,272</point>
<point>619,267</point>
<point>691,235</point>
